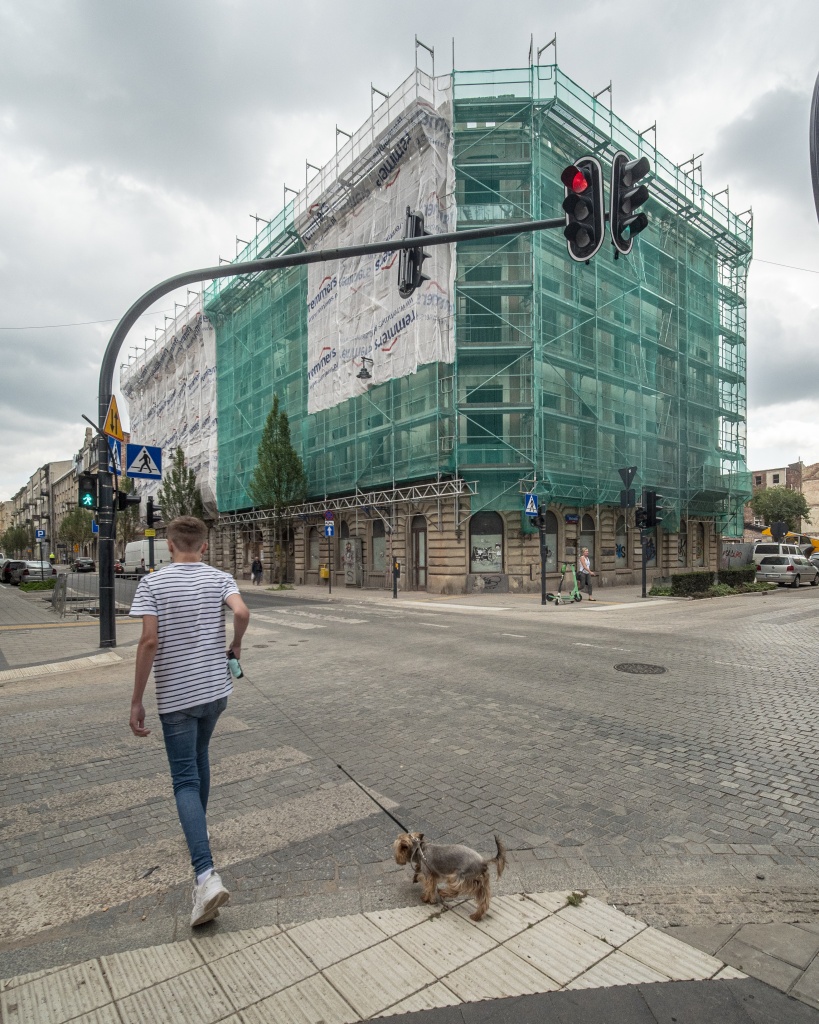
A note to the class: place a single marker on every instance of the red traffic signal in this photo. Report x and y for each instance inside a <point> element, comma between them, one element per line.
<point>574,179</point>
<point>584,208</point>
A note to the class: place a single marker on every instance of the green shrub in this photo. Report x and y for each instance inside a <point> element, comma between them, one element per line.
<point>687,583</point>
<point>755,588</point>
<point>733,577</point>
<point>39,584</point>
<point>659,591</point>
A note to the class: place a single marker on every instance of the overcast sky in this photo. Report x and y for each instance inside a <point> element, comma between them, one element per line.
<point>136,139</point>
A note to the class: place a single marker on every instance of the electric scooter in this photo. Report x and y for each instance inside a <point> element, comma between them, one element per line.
<point>573,594</point>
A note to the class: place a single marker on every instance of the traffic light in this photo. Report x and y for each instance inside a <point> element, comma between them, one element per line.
<point>152,512</point>
<point>125,498</point>
<point>585,208</point>
<point>87,491</point>
<point>410,261</point>
<point>650,501</point>
<point>641,518</point>
<point>626,195</point>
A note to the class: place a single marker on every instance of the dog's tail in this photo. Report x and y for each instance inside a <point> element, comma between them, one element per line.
<point>499,860</point>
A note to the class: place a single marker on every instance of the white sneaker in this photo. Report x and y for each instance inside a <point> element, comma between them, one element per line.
<point>207,898</point>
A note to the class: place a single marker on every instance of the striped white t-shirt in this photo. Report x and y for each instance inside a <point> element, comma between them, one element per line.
<point>188,599</point>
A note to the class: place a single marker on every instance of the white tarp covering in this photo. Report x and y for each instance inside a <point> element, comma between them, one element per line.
<point>172,403</point>
<point>353,307</point>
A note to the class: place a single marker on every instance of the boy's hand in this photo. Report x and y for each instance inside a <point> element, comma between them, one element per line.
<point>237,649</point>
<point>137,721</point>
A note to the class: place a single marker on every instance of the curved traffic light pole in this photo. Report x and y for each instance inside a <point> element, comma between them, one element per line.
<point>107,604</point>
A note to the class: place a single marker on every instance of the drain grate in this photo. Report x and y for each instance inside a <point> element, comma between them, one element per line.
<point>637,668</point>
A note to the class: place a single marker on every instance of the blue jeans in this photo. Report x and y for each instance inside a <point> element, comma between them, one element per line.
<point>187,735</point>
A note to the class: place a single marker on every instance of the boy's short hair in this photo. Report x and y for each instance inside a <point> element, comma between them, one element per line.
<point>187,533</point>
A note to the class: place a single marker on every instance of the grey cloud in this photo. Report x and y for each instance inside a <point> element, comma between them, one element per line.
<point>767,147</point>
<point>783,359</point>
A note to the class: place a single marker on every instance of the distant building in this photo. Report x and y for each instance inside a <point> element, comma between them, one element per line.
<point>796,476</point>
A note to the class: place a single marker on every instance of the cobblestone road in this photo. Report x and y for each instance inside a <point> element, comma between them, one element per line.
<point>691,796</point>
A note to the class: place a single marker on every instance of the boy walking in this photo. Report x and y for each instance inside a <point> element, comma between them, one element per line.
<point>183,639</point>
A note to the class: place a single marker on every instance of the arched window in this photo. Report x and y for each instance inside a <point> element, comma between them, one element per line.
<point>682,545</point>
<point>343,534</point>
<point>379,559</point>
<point>486,542</point>
<point>586,539</point>
<point>314,548</point>
<point>620,544</point>
<point>550,541</point>
<point>699,545</point>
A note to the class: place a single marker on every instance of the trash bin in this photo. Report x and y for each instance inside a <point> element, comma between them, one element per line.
<point>324,572</point>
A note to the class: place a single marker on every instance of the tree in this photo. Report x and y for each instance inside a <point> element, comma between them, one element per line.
<point>16,540</point>
<point>781,505</point>
<point>76,526</point>
<point>128,519</point>
<point>278,479</point>
<point>180,495</point>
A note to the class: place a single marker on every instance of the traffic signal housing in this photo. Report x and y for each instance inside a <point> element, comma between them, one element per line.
<point>87,491</point>
<point>651,500</point>
<point>410,261</point>
<point>641,518</point>
<point>627,194</point>
<point>126,499</point>
<point>584,207</point>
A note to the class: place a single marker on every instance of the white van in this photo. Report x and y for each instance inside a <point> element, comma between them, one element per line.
<point>138,549</point>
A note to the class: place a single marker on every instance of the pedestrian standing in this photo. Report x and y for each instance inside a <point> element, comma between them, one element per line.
<point>182,607</point>
<point>586,573</point>
<point>256,570</point>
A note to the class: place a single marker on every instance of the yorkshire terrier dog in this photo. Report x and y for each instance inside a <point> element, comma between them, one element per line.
<point>463,871</point>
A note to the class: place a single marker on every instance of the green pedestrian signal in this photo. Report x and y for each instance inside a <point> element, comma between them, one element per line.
<point>87,496</point>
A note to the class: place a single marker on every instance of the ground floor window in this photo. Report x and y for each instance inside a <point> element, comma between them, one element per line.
<point>314,548</point>
<point>620,544</point>
<point>586,539</point>
<point>650,549</point>
<point>550,541</point>
<point>379,547</point>
<point>682,545</point>
<point>699,545</point>
<point>486,542</point>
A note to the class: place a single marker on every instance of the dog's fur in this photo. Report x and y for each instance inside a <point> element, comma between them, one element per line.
<point>463,871</point>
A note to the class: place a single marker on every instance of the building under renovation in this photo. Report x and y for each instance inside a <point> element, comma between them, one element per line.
<point>422,422</point>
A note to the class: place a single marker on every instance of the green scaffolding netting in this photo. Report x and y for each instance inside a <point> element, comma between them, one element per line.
<point>564,372</point>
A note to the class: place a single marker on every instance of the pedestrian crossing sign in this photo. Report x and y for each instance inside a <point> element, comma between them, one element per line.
<point>143,462</point>
<point>530,504</point>
<point>113,425</point>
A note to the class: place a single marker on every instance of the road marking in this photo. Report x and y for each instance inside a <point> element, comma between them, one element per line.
<point>285,622</point>
<point>321,615</point>
<point>517,636</point>
<point>454,607</point>
<point>602,647</point>
<point>630,604</point>
<point>436,625</point>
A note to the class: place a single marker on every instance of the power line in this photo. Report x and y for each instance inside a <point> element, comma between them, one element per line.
<point>80,323</point>
<point>113,320</point>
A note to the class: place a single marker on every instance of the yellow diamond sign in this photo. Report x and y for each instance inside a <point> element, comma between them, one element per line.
<point>113,425</point>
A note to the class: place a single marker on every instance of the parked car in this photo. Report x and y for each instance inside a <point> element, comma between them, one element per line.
<point>814,559</point>
<point>786,569</point>
<point>84,565</point>
<point>771,548</point>
<point>7,568</point>
<point>28,572</point>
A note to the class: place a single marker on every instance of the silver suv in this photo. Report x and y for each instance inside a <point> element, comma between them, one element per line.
<point>786,569</point>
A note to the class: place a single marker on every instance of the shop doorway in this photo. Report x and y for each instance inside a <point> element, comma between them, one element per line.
<point>419,552</point>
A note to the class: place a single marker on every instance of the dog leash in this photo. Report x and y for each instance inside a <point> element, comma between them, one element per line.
<point>389,814</point>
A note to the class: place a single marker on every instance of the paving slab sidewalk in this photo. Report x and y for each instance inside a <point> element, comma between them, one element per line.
<point>433,966</point>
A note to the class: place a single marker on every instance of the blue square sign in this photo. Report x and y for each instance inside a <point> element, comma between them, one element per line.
<point>329,529</point>
<point>530,504</point>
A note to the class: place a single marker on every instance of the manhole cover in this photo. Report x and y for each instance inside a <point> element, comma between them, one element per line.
<point>637,668</point>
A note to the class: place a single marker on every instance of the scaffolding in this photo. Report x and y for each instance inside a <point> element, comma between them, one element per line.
<point>563,372</point>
